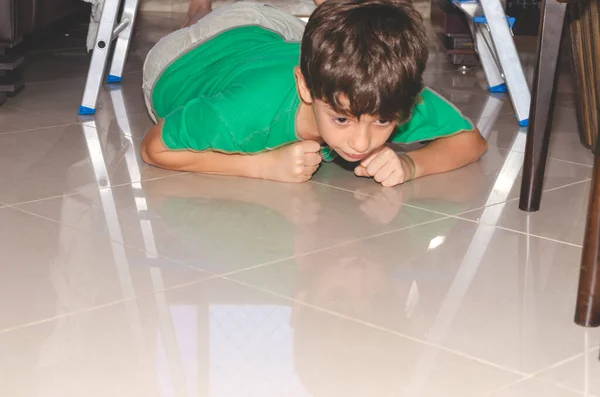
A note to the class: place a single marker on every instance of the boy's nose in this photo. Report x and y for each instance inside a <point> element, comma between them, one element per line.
<point>360,141</point>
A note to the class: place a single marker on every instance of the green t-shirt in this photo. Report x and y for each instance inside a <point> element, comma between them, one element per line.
<point>236,93</point>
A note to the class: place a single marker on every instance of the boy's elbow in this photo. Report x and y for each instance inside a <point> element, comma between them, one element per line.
<point>147,153</point>
<point>153,150</point>
<point>478,145</point>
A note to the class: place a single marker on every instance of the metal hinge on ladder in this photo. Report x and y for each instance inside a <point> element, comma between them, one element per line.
<point>107,33</point>
<point>492,33</point>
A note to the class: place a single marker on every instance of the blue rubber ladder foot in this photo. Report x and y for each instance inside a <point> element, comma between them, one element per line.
<point>500,88</point>
<point>113,79</point>
<point>481,19</point>
<point>84,110</point>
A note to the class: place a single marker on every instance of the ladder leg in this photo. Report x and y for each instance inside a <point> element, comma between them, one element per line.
<point>506,52</point>
<point>99,57</point>
<point>492,73</point>
<point>123,41</point>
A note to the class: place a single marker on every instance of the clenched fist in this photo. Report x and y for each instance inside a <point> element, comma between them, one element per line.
<point>386,167</point>
<point>293,163</point>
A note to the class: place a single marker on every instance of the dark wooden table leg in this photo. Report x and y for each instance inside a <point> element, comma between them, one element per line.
<point>552,21</point>
<point>584,29</point>
<point>587,312</point>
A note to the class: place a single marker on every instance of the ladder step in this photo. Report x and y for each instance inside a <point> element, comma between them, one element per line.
<point>473,10</point>
<point>120,27</point>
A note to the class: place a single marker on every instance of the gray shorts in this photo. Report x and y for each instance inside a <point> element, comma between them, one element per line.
<point>173,46</point>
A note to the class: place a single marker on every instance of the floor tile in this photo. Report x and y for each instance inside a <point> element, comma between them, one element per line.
<point>135,125</point>
<point>534,388</point>
<point>497,295</point>
<point>565,141</point>
<point>66,159</point>
<point>225,224</point>
<point>221,339</point>
<point>50,270</point>
<point>14,120</point>
<point>61,99</point>
<point>494,179</point>
<point>481,108</point>
<point>561,217</point>
<point>580,374</point>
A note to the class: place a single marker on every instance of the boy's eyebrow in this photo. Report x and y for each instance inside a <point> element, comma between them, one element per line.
<point>345,112</point>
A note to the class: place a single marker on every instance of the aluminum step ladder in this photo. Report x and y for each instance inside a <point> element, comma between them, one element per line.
<point>109,31</point>
<point>493,37</point>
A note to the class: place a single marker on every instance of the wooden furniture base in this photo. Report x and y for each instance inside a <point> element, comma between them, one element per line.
<point>583,21</point>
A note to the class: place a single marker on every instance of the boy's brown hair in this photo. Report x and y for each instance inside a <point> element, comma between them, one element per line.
<point>373,52</point>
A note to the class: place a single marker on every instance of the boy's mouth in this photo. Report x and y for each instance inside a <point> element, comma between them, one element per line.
<point>355,156</point>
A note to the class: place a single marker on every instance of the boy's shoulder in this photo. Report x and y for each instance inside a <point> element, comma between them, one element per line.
<point>432,117</point>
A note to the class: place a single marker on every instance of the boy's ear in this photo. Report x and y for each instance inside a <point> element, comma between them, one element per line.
<point>303,90</point>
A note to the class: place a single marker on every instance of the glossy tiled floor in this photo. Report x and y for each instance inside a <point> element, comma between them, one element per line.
<point>119,279</point>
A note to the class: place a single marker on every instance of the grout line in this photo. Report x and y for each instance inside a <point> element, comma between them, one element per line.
<point>62,123</point>
<point>507,386</point>
<point>564,361</point>
<point>567,388</point>
<point>368,195</point>
<point>445,214</point>
<point>569,162</point>
<point>567,185</point>
<point>341,244</point>
<point>519,232</point>
<point>60,119</point>
<point>541,380</point>
<point>516,198</point>
<point>458,216</point>
<point>549,157</point>
<point>536,375</point>
<point>17,205</point>
<point>102,306</point>
<point>21,203</point>
<point>381,328</point>
<point>107,238</point>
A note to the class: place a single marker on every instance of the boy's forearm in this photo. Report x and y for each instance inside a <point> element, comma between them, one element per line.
<point>448,154</point>
<point>293,163</point>
<point>218,163</point>
<point>156,153</point>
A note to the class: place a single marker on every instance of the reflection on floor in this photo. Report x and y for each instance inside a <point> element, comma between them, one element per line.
<point>119,279</point>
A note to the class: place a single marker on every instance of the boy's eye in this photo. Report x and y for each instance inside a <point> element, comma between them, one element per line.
<point>383,122</point>
<point>341,120</point>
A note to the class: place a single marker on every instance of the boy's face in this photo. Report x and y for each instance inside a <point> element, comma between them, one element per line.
<point>351,137</point>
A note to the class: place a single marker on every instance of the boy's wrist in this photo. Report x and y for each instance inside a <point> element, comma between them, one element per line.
<point>257,165</point>
<point>409,165</point>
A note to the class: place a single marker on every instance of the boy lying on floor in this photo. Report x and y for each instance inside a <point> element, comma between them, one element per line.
<point>230,97</point>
